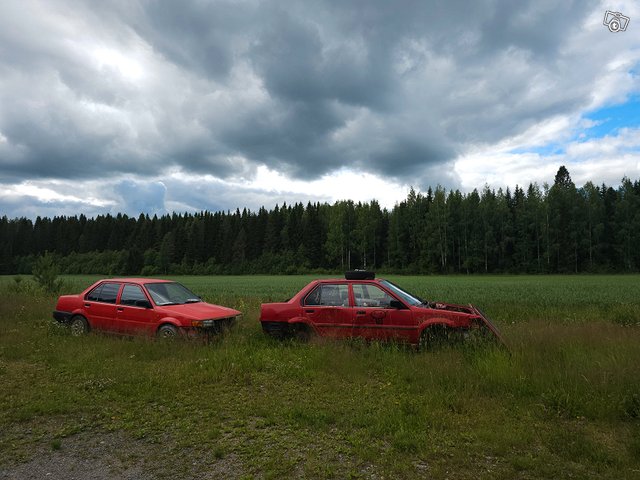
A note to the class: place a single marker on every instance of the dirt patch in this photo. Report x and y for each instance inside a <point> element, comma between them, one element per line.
<point>115,456</point>
<point>85,455</point>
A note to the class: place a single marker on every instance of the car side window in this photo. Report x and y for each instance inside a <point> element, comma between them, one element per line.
<point>106,292</point>
<point>130,294</point>
<point>367,295</point>
<point>109,292</point>
<point>94,294</point>
<point>314,297</point>
<point>329,295</point>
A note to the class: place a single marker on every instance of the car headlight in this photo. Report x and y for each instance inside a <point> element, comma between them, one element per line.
<point>202,323</point>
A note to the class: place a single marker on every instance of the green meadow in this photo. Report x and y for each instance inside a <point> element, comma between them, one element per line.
<point>564,402</point>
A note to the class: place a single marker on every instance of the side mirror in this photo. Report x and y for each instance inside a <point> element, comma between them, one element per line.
<point>143,303</point>
<point>397,304</point>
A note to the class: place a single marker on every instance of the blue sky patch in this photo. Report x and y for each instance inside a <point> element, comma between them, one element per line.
<point>613,118</point>
<point>542,150</point>
<point>609,121</point>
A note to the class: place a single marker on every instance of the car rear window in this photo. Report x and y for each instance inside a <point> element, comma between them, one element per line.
<point>329,295</point>
<point>105,292</point>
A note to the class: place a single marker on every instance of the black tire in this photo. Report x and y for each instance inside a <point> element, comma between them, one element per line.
<point>434,338</point>
<point>78,326</point>
<point>167,332</point>
<point>277,330</point>
<point>302,333</point>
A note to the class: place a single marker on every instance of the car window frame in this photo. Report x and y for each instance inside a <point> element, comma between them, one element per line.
<point>101,286</point>
<point>324,284</point>
<point>96,288</point>
<point>144,294</point>
<point>374,285</point>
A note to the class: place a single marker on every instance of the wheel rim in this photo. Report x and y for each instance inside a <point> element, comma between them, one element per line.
<point>77,328</point>
<point>167,333</point>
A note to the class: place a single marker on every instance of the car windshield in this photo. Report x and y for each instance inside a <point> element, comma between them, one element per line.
<point>171,293</point>
<point>407,297</point>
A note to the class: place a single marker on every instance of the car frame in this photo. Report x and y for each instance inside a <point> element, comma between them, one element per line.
<point>362,306</point>
<point>142,306</point>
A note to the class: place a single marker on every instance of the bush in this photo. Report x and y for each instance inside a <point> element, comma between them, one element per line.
<point>45,273</point>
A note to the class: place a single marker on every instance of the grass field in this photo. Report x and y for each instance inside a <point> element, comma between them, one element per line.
<point>564,404</point>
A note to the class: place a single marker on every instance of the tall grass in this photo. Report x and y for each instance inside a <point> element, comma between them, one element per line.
<point>565,402</point>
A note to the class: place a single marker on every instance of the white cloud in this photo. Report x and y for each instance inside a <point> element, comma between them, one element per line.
<point>47,193</point>
<point>343,184</point>
<point>128,67</point>
<point>605,159</point>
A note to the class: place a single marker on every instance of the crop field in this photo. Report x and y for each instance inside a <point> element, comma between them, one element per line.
<point>564,403</point>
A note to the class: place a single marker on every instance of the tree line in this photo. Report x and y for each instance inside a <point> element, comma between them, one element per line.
<point>554,229</point>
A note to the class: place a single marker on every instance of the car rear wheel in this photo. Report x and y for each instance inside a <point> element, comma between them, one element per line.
<point>302,333</point>
<point>78,326</point>
<point>279,330</point>
<point>167,332</point>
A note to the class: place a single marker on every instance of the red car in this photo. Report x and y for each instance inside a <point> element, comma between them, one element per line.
<point>361,306</point>
<point>142,306</point>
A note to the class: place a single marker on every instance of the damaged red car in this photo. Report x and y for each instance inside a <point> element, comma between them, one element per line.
<point>142,306</point>
<point>373,309</point>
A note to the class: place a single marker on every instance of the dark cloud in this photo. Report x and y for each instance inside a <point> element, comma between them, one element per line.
<point>301,60</point>
<point>408,157</point>
<point>295,140</point>
<point>198,36</point>
<point>97,90</point>
<point>539,27</point>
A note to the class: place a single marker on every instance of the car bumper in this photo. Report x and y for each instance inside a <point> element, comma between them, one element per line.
<point>62,317</point>
<point>489,324</point>
<point>207,328</point>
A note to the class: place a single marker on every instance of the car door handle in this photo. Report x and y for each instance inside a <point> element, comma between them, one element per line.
<point>87,305</point>
<point>309,311</point>
<point>361,312</point>
<point>120,309</point>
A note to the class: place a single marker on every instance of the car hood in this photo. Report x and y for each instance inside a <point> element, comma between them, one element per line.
<point>200,311</point>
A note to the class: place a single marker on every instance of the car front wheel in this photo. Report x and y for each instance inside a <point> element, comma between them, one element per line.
<point>79,326</point>
<point>167,332</point>
<point>435,337</point>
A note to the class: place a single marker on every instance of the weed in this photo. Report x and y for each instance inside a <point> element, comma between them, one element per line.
<point>560,405</point>
<point>631,406</point>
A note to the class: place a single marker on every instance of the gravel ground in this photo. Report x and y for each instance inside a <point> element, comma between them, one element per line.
<point>87,455</point>
<point>114,456</point>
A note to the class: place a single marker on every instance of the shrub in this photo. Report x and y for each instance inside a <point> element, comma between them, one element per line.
<point>45,273</point>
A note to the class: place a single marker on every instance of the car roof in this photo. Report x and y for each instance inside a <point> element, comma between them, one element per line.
<point>137,280</point>
<point>344,280</point>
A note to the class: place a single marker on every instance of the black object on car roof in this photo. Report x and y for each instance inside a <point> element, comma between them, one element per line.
<point>359,275</point>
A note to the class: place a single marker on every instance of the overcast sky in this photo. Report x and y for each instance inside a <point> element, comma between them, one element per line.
<point>160,106</point>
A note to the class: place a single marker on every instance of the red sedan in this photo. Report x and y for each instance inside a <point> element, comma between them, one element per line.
<point>374,309</point>
<point>142,306</point>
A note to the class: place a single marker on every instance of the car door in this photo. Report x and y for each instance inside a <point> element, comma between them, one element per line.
<point>100,306</point>
<point>134,314</point>
<point>328,308</point>
<point>375,318</point>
